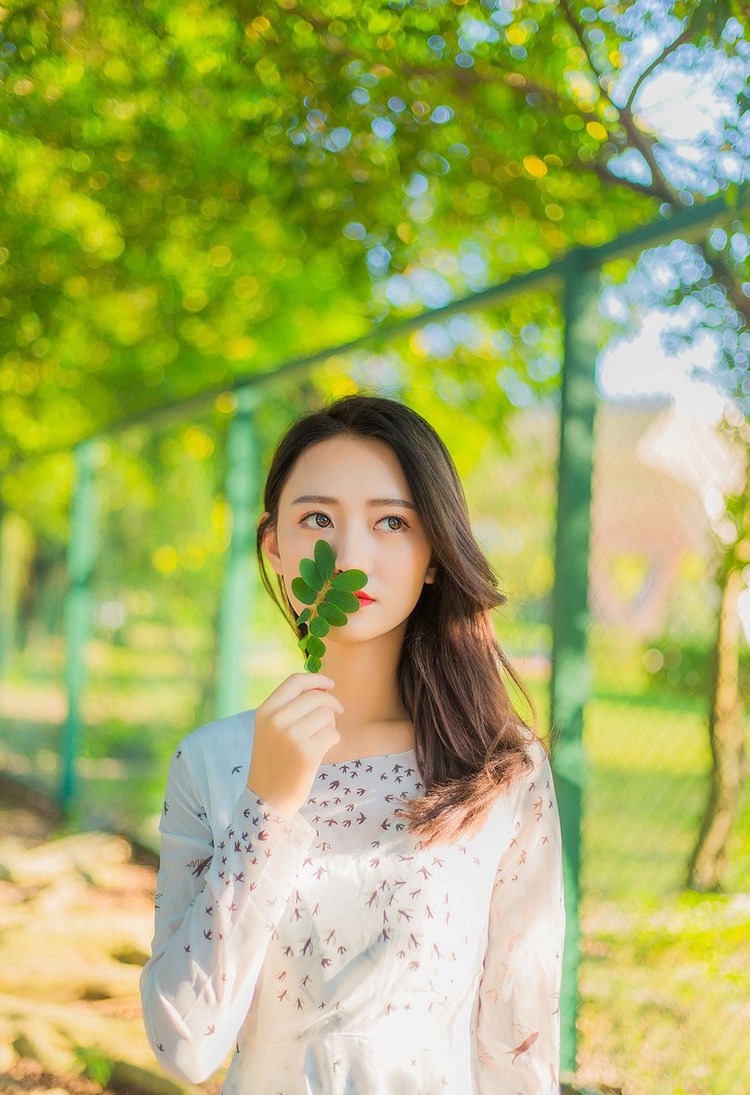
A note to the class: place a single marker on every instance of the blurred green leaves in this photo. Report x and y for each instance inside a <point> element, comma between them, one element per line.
<point>176,180</point>
<point>193,194</point>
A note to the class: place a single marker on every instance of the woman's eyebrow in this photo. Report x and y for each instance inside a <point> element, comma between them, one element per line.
<point>391,502</point>
<point>371,502</point>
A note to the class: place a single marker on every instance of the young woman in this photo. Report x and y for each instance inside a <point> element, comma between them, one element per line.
<point>360,883</point>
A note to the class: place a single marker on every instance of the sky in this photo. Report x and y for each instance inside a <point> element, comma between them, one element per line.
<point>641,366</point>
<point>682,107</point>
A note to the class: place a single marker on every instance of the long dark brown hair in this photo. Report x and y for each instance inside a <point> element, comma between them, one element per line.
<point>470,741</point>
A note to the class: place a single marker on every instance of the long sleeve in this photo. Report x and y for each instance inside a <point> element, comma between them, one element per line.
<point>219,898</point>
<point>517,1015</point>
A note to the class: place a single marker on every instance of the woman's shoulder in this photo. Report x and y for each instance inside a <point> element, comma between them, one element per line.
<point>220,747</point>
<point>221,731</point>
<point>538,752</point>
<point>210,766</point>
<point>538,768</point>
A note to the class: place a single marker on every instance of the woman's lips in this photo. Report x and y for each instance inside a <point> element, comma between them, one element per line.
<point>364,599</point>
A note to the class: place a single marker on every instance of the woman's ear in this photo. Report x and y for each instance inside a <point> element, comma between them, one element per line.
<point>270,544</point>
<point>430,575</point>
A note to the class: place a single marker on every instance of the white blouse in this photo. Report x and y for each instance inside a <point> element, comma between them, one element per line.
<point>333,953</point>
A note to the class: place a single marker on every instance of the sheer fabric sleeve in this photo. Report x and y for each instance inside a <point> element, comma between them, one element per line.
<point>219,898</point>
<point>517,1017</point>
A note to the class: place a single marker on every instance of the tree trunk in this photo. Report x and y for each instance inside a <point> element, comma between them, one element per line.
<point>709,860</point>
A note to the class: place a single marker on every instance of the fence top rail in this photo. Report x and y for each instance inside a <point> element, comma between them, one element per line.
<point>686,222</point>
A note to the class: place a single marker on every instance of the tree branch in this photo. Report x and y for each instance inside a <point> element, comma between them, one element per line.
<point>662,187</point>
<point>724,275</point>
<point>606,176</point>
<point>577,28</point>
<point>464,80</point>
<point>646,148</point>
<point>720,270</point>
<point>680,40</point>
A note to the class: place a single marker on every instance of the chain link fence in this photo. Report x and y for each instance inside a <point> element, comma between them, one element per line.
<point>661,996</point>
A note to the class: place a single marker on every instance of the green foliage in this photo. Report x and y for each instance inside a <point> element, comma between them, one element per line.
<point>348,580</point>
<point>335,616</point>
<point>311,575</point>
<point>174,181</point>
<point>319,627</point>
<point>331,597</point>
<point>96,1064</point>
<point>347,601</point>
<point>161,210</point>
<point>684,667</point>
<point>324,560</point>
<point>303,592</point>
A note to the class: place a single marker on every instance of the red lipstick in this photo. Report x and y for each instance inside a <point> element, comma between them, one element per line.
<point>364,599</point>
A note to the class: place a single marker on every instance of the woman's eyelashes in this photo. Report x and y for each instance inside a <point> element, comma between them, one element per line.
<point>395,517</point>
<point>307,517</point>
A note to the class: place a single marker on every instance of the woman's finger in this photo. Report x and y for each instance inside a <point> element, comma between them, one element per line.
<point>299,708</point>
<point>295,685</point>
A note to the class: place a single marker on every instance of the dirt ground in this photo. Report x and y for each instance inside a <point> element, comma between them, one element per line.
<point>76,917</point>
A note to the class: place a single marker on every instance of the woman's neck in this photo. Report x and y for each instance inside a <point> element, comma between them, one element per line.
<point>366,684</point>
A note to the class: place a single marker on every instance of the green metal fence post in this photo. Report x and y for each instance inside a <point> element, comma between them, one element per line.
<point>236,593</point>
<point>5,608</point>
<point>82,551</point>
<point>570,673</point>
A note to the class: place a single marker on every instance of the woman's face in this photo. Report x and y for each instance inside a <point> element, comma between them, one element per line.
<point>352,492</point>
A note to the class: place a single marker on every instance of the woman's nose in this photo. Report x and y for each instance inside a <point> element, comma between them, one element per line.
<point>353,550</point>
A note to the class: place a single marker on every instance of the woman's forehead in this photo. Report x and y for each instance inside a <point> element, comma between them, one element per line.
<point>353,466</point>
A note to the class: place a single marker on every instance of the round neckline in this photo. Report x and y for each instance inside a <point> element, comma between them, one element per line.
<point>377,756</point>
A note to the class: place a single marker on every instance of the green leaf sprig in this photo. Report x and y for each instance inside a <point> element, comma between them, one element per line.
<point>330,600</point>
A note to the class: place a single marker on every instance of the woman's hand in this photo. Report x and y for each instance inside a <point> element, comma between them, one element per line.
<point>294,728</point>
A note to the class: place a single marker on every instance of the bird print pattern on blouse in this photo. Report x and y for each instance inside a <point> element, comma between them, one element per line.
<point>333,953</point>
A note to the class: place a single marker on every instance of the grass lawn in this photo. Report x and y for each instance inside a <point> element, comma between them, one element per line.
<point>664,981</point>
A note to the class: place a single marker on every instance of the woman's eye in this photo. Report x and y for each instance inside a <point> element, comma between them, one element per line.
<point>399,522</point>
<point>317,522</point>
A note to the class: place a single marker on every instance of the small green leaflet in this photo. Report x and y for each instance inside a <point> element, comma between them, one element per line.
<point>330,600</point>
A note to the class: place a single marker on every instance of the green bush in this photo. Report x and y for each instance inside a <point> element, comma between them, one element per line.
<point>685,666</point>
